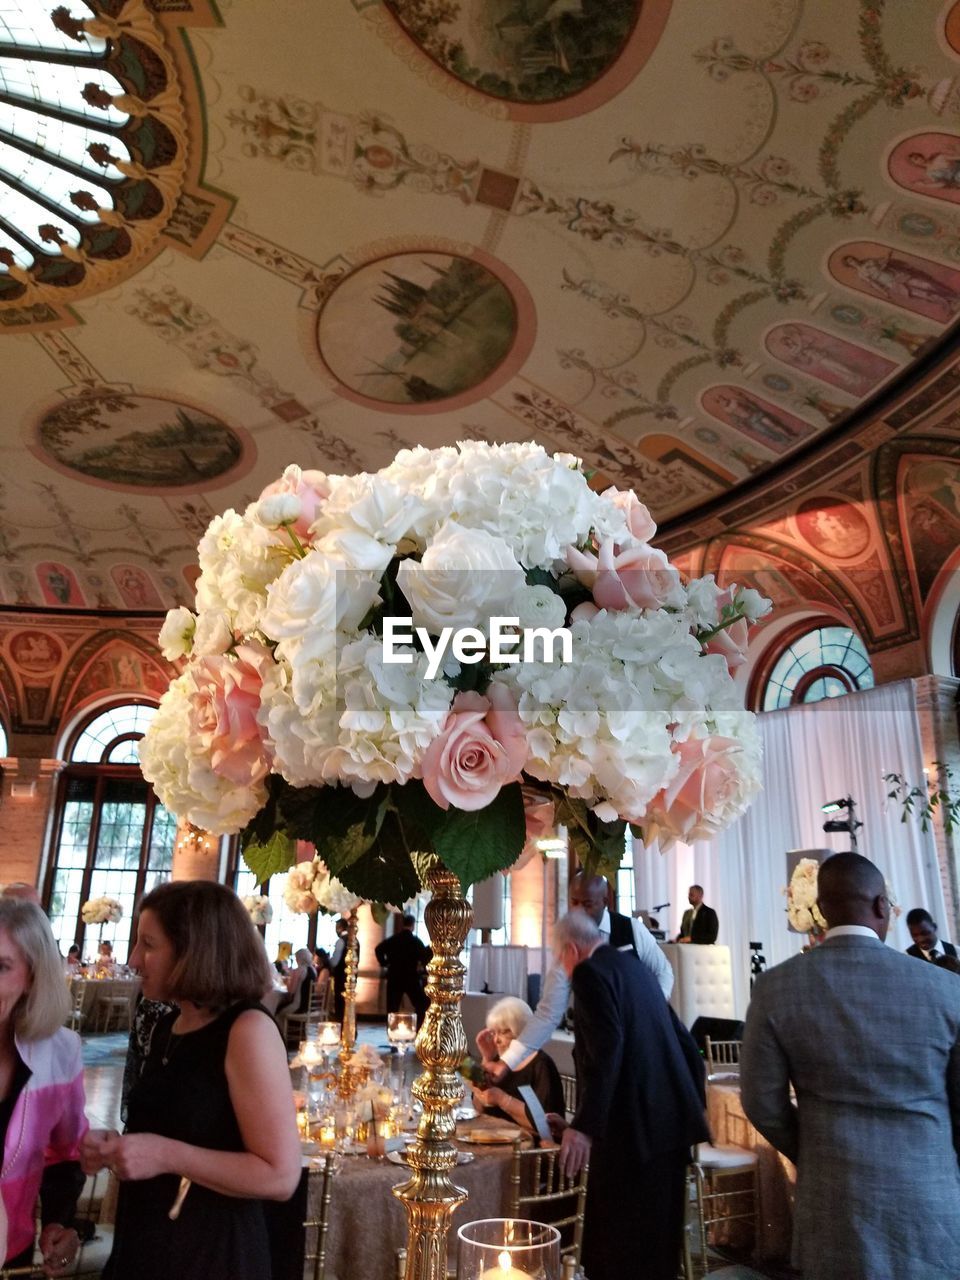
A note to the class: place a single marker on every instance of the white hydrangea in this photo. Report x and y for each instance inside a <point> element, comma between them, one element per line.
<point>239,559</point>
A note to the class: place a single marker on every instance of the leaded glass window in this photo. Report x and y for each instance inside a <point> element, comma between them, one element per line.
<point>825,662</point>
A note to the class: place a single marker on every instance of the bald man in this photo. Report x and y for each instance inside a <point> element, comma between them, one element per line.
<point>870,1042</point>
<point>20,889</point>
<point>589,894</point>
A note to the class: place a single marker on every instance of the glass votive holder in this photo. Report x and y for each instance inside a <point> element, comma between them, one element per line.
<point>508,1249</point>
<point>328,1035</point>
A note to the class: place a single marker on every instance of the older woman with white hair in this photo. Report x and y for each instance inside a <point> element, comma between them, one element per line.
<point>505,1023</point>
<point>41,1092</point>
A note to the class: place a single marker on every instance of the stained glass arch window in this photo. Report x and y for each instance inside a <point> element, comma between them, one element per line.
<point>824,662</point>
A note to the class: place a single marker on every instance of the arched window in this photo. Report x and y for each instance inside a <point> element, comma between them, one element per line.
<point>3,741</point>
<point>824,662</point>
<point>112,835</point>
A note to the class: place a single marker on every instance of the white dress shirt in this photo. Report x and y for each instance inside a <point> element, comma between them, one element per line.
<point>555,994</point>
<point>852,931</point>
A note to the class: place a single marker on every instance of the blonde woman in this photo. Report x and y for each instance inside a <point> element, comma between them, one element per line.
<point>41,1092</point>
<point>505,1023</point>
<point>211,1124</point>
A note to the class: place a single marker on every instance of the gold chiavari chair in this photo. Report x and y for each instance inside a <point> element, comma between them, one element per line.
<point>319,1223</point>
<point>539,1192</point>
<point>296,1026</point>
<point>722,1191</point>
<point>569,1084</point>
<point>722,1056</point>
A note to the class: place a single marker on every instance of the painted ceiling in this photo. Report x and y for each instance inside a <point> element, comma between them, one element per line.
<point>705,247</point>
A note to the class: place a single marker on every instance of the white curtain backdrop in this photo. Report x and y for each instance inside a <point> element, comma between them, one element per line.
<point>812,754</point>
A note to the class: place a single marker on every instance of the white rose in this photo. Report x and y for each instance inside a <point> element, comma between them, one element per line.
<point>754,605</point>
<point>176,634</point>
<point>278,510</point>
<point>357,551</point>
<point>702,606</point>
<point>303,599</point>
<point>213,634</point>
<point>465,577</point>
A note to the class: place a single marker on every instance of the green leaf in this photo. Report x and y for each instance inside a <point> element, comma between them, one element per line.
<point>380,912</point>
<point>269,858</point>
<point>475,845</point>
<point>541,578</point>
<point>385,873</point>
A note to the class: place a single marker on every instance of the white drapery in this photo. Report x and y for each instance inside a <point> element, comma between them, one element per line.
<point>812,754</point>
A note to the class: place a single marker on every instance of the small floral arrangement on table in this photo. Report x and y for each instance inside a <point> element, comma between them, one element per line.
<point>101,910</point>
<point>259,908</point>
<point>357,675</point>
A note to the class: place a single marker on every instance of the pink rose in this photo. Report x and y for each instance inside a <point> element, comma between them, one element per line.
<point>638,578</point>
<point>311,487</point>
<point>584,612</point>
<point>639,520</point>
<point>482,747</point>
<point>225,703</point>
<point>705,783</point>
<point>731,642</point>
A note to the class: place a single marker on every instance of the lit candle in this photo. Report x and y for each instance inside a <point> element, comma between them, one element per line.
<point>328,1134</point>
<point>504,1270</point>
<point>329,1034</point>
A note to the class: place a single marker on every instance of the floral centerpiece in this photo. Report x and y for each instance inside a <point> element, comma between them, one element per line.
<point>259,908</point>
<point>322,698</point>
<point>101,911</point>
<point>310,887</point>
<point>802,910</point>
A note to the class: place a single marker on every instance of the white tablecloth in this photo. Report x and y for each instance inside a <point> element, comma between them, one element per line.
<point>502,970</point>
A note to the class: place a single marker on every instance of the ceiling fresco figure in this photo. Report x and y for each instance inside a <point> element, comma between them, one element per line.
<point>917,284</point>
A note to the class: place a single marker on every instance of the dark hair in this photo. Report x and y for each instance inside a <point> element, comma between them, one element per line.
<point>219,955</point>
<point>409,921</point>
<point>697,886</point>
<point>74,950</point>
<point>920,915</point>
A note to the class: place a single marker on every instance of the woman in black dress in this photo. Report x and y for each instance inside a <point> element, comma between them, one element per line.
<point>212,1104</point>
<point>505,1023</point>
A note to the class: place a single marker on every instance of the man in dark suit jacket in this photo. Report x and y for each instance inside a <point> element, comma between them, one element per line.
<point>641,1108</point>
<point>926,944</point>
<point>404,956</point>
<point>699,923</point>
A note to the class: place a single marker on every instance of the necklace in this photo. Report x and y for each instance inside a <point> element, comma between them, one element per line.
<point>170,1048</point>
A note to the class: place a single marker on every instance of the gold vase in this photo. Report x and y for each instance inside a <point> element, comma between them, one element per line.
<point>430,1197</point>
<point>348,1032</point>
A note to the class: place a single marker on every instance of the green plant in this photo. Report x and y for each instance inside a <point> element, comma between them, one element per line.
<point>938,794</point>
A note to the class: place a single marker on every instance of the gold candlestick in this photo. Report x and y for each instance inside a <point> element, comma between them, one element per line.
<point>348,1036</point>
<point>430,1197</point>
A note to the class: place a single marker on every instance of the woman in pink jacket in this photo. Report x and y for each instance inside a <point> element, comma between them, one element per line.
<point>41,1092</point>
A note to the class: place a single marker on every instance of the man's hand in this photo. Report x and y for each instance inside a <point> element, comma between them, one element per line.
<point>574,1152</point>
<point>557,1125</point>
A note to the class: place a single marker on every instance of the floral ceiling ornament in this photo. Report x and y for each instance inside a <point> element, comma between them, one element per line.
<point>304,715</point>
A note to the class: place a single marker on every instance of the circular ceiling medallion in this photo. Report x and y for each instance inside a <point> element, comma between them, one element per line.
<point>130,441</point>
<point>546,59</point>
<point>837,531</point>
<point>421,331</point>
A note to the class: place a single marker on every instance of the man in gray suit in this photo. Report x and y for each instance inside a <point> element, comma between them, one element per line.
<point>870,1042</point>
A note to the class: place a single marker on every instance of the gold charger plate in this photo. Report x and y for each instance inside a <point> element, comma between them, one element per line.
<point>489,1137</point>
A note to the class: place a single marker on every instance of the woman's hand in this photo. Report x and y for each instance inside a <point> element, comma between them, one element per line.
<point>487,1045</point>
<point>59,1246</point>
<point>139,1156</point>
<point>492,1097</point>
<point>97,1149</point>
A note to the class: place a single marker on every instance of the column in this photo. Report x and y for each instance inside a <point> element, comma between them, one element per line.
<point>936,702</point>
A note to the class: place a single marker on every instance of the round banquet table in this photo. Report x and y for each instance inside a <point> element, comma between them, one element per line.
<point>367,1223</point>
<point>776,1176</point>
<point>94,990</point>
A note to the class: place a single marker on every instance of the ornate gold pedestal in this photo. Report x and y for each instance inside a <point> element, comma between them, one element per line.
<point>348,1033</point>
<point>430,1197</point>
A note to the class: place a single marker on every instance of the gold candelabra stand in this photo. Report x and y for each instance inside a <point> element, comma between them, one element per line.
<point>348,1035</point>
<point>429,1196</point>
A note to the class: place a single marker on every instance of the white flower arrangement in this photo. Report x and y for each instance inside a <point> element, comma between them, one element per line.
<point>290,722</point>
<point>310,887</point>
<point>802,910</point>
<point>101,910</point>
<point>259,908</point>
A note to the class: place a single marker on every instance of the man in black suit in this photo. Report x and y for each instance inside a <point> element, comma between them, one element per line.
<point>641,1108</point>
<point>404,957</point>
<point>338,967</point>
<point>699,923</point>
<point>923,931</point>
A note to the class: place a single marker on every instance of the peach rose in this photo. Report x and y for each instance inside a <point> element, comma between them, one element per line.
<point>482,747</point>
<point>731,642</point>
<point>705,782</point>
<point>539,812</point>
<point>311,487</point>
<point>637,578</point>
<point>639,520</point>
<point>224,704</point>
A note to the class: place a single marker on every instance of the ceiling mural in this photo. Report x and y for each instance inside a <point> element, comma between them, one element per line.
<point>713,250</point>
